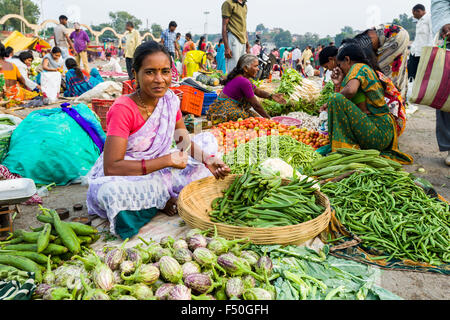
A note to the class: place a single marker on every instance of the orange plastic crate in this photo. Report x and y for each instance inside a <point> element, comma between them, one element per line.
<point>192,100</point>
<point>101,108</point>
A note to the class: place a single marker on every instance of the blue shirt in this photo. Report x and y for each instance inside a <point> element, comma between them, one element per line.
<point>169,39</point>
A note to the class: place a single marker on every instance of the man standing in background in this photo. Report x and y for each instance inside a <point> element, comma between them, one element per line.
<point>169,37</point>
<point>307,55</point>
<point>296,57</point>
<point>424,38</point>
<point>440,16</point>
<point>61,36</point>
<point>133,41</point>
<point>81,41</point>
<point>234,31</point>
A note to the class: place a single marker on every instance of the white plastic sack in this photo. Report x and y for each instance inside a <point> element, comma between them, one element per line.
<point>108,90</point>
<point>6,129</point>
<point>51,85</point>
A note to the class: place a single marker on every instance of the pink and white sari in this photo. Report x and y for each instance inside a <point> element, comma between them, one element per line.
<point>109,195</point>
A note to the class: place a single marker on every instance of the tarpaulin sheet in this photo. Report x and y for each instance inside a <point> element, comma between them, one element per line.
<point>19,42</point>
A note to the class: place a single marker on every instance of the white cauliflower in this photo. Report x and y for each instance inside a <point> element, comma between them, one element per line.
<point>273,166</point>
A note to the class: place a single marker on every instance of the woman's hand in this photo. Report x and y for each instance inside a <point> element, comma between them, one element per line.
<point>337,76</point>
<point>324,107</point>
<point>279,98</point>
<point>218,168</point>
<point>178,160</point>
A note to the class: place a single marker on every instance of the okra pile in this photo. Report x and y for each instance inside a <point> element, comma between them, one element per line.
<point>345,160</point>
<point>47,246</point>
<point>390,213</point>
<point>261,201</point>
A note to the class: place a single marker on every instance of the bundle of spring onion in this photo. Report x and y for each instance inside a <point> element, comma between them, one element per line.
<point>392,214</point>
<point>296,154</point>
<point>260,201</point>
<point>345,160</point>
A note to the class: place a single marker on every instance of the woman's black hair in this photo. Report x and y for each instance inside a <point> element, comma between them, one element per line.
<point>357,54</point>
<point>8,51</point>
<point>2,51</point>
<point>244,61</point>
<point>72,64</point>
<point>200,42</point>
<point>326,53</point>
<point>371,58</point>
<point>56,50</point>
<point>354,52</point>
<point>146,49</point>
<point>189,35</point>
<point>24,55</point>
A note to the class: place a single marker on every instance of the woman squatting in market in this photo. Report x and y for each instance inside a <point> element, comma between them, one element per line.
<point>239,94</point>
<point>16,89</point>
<point>358,115</point>
<point>395,101</point>
<point>140,172</point>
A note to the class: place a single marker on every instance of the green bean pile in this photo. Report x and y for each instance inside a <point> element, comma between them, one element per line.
<point>296,154</point>
<point>257,201</point>
<point>393,215</point>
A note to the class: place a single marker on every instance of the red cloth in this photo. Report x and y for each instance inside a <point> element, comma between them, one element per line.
<point>124,118</point>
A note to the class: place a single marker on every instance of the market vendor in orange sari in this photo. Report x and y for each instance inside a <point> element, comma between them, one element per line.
<point>358,115</point>
<point>16,88</point>
<point>239,94</point>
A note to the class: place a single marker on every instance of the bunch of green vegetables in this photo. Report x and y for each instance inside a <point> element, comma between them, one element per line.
<point>198,267</point>
<point>8,273</point>
<point>325,94</point>
<point>392,215</point>
<point>261,201</point>
<point>195,267</point>
<point>56,239</point>
<point>256,151</point>
<point>309,275</point>
<point>289,81</point>
<point>345,160</point>
<point>274,109</point>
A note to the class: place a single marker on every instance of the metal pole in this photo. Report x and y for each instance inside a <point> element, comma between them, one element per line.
<point>206,26</point>
<point>22,26</point>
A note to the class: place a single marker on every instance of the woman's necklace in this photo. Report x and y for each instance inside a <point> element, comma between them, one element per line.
<point>149,113</point>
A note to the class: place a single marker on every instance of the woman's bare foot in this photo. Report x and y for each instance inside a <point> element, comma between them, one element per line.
<point>171,207</point>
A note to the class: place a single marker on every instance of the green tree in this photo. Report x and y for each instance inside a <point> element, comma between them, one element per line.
<point>30,10</point>
<point>283,39</point>
<point>261,28</point>
<point>120,18</point>
<point>156,30</point>
<point>346,32</point>
<point>408,23</point>
<point>107,35</point>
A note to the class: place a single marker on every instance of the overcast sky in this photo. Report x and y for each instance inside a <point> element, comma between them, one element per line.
<point>325,17</point>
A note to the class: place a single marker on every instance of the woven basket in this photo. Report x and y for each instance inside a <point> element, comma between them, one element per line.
<point>194,206</point>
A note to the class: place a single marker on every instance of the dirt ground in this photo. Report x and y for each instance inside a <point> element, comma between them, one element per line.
<point>419,140</point>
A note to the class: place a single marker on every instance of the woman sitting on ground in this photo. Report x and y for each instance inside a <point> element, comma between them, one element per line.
<point>23,62</point>
<point>358,116</point>
<point>393,97</point>
<point>51,62</point>
<point>140,172</point>
<point>239,94</point>
<point>77,82</point>
<point>16,89</point>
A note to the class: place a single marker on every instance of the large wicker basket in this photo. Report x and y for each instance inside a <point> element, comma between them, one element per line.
<point>194,206</point>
